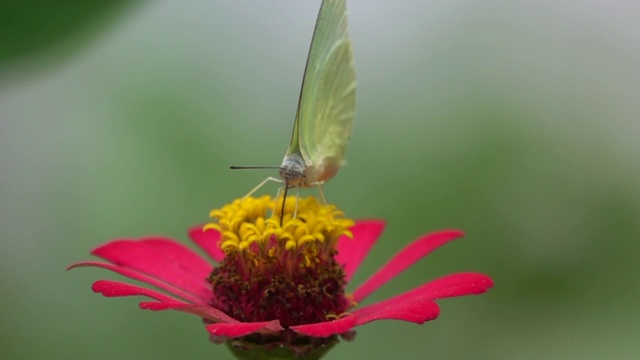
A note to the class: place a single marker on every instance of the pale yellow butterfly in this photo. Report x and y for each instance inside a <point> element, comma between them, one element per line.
<point>326,106</point>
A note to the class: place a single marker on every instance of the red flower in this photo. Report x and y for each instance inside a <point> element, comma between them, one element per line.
<point>187,278</point>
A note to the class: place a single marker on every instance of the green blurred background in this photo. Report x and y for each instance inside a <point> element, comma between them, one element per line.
<point>517,122</point>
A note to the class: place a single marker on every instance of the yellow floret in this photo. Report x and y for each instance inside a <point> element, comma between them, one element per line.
<point>307,227</point>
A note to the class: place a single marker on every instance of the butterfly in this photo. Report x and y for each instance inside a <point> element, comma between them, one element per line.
<point>326,106</point>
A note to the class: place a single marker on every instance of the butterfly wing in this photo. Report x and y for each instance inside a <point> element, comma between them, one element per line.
<point>327,100</point>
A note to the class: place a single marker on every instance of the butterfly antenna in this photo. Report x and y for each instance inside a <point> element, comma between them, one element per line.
<point>252,167</point>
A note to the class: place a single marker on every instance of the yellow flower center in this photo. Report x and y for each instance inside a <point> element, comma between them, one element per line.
<point>250,228</point>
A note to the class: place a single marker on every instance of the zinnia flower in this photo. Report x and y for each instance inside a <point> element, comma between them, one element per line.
<point>276,287</point>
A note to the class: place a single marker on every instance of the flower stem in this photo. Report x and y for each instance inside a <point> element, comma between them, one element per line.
<point>247,351</point>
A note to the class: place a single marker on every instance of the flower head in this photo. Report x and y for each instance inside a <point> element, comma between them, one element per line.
<point>278,284</point>
<point>271,271</point>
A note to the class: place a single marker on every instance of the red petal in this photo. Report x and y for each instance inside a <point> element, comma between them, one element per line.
<point>242,329</point>
<point>327,328</point>
<point>207,241</point>
<point>163,259</point>
<point>459,284</point>
<point>203,311</point>
<point>418,306</point>
<point>351,252</point>
<point>405,258</point>
<point>414,309</point>
<point>110,288</point>
<point>132,274</point>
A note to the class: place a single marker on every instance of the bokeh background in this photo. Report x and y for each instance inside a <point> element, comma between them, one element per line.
<point>515,121</point>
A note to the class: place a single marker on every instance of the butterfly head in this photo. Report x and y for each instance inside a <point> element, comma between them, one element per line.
<point>292,170</point>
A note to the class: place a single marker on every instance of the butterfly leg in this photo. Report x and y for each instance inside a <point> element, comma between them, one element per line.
<point>276,203</point>
<point>322,197</point>
<point>261,185</point>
